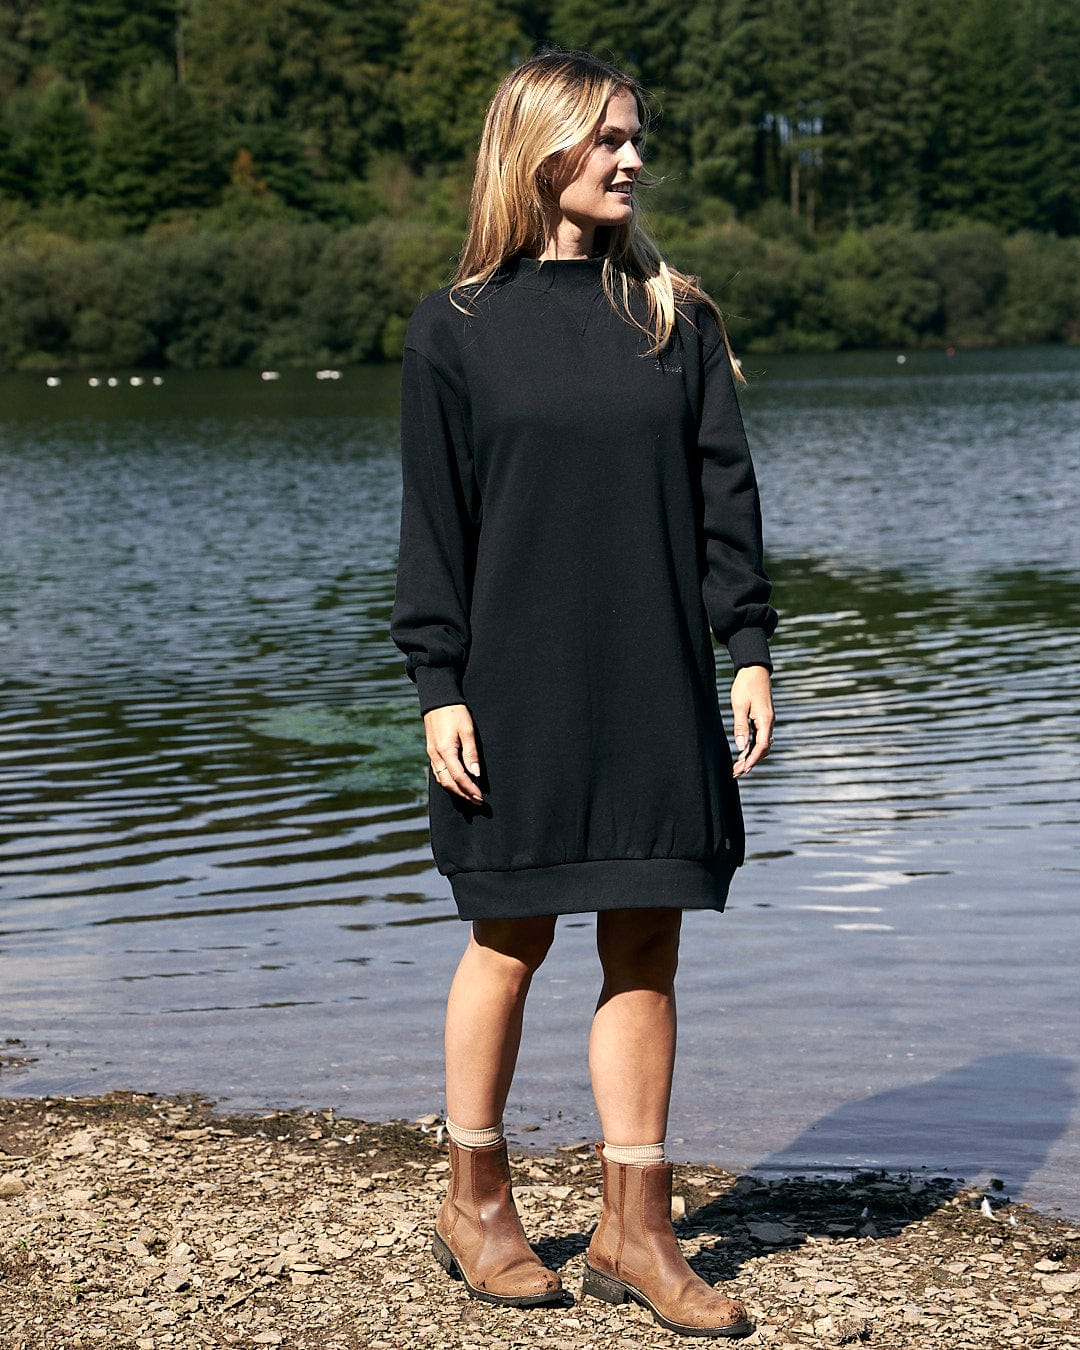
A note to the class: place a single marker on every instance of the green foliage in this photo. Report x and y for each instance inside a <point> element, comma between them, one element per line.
<point>22,43</point>
<point>883,291</point>
<point>726,99</point>
<point>108,320</point>
<point>155,151</point>
<point>970,264</point>
<point>57,148</point>
<point>996,160</point>
<point>100,41</point>
<point>874,97</point>
<point>844,113</point>
<point>11,182</point>
<point>1054,45</point>
<point>31,320</point>
<point>454,55</point>
<point>297,80</point>
<point>291,292</point>
<point>1042,290</point>
<point>204,182</point>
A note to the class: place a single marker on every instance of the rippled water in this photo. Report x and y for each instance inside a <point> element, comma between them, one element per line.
<point>215,874</point>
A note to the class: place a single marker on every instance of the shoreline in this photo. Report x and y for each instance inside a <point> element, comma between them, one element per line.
<point>131,1219</point>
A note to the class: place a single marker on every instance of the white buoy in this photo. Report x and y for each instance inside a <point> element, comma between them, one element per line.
<point>271,375</point>
<point>158,380</point>
<point>135,381</point>
<point>328,374</point>
<point>53,381</point>
<point>112,381</point>
<point>901,359</point>
<point>93,382</point>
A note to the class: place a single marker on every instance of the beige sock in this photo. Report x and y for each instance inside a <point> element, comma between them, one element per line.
<point>474,1138</point>
<point>636,1155</point>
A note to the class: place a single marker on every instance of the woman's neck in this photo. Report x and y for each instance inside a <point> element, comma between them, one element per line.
<point>567,240</point>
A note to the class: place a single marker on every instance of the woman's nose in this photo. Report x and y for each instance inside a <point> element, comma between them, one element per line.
<point>630,160</point>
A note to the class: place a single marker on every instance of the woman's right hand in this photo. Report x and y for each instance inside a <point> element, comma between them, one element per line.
<point>451,748</point>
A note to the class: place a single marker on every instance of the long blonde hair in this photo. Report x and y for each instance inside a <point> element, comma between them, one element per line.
<point>544,108</point>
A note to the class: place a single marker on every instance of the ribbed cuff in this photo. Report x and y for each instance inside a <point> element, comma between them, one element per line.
<point>749,647</point>
<point>438,686</point>
<point>634,1155</point>
<point>493,1134</point>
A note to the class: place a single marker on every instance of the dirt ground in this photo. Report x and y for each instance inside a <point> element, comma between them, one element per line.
<point>141,1221</point>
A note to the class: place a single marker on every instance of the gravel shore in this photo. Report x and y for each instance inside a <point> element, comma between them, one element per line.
<point>140,1221</point>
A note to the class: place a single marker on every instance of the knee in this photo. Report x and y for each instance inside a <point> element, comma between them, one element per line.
<point>639,947</point>
<point>515,946</point>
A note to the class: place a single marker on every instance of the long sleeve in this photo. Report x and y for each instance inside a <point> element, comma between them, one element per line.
<point>735,587</point>
<point>440,512</point>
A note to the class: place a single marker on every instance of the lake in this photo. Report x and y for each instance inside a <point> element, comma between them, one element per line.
<point>214,871</point>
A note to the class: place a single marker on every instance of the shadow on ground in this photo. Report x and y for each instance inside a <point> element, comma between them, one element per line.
<point>996,1117</point>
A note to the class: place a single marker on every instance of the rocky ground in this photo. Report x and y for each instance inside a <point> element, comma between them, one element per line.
<point>137,1221</point>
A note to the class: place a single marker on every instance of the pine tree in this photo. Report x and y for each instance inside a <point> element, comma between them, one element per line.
<point>57,149</point>
<point>1053,34</point>
<point>725,98</point>
<point>156,151</point>
<point>22,43</point>
<point>995,163</point>
<point>100,41</point>
<point>11,181</point>
<point>313,73</point>
<point>454,55</point>
<point>872,93</point>
<point>794,41</point>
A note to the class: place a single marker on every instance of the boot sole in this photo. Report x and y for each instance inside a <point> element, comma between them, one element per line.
<point>611,1290</point>
<point>452,1266</point>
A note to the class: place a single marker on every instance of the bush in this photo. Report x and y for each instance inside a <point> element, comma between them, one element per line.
<point>286,290</point>
<point>882,288</point>
<point>32,318</point>
<point>111,316</point>
<point>970,265</point>
<point>1042,289</point>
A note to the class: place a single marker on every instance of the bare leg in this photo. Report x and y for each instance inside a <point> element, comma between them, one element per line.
<point>484,1012</point>
<point>633,1252</point>
<point>632,1045</point>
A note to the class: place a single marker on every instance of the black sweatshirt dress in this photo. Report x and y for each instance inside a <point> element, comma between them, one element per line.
<point>576,516</point>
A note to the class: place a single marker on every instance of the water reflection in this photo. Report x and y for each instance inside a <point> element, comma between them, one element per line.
<point>215,873</point>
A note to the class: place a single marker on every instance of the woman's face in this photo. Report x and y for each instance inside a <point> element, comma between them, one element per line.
<point>594,183</point>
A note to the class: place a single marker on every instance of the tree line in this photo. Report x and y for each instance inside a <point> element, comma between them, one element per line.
<point>832,168</point>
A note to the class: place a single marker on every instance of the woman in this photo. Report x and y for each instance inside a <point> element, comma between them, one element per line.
<point>579,506</point>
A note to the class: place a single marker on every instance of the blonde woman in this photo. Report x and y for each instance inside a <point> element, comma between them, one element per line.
<point>579,509</point>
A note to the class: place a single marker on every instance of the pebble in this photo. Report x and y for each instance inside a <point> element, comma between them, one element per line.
<point>184,1229</point>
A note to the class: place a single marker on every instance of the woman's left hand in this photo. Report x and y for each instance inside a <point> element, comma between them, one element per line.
<point>751,706</point>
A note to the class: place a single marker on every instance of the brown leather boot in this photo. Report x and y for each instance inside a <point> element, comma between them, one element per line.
<point>479,1238</point>
<point>634,1254</point>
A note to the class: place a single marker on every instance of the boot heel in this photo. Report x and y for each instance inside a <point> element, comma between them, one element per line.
<point>445,1257</point>
<point>600,1286</point>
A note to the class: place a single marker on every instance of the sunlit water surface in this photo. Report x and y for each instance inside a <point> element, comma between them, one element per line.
<point>215,871</point>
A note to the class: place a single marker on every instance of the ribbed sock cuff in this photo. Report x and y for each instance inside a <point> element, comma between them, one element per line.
<point>474,1138</point>
<point>635,1155</point>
